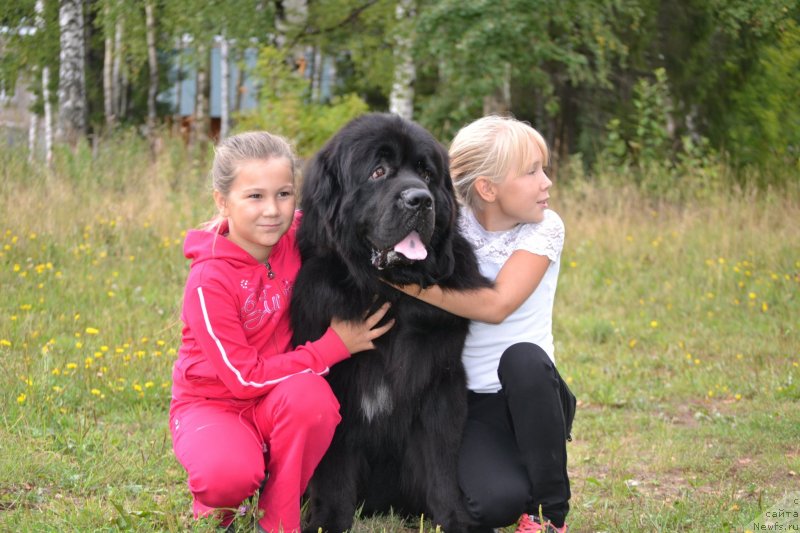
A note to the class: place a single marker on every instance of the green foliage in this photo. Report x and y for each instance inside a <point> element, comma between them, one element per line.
<point>639,149</point>
<point>643,137</point>
<point>284,107</point>
<point>764,122</point>
<point>468,48</point>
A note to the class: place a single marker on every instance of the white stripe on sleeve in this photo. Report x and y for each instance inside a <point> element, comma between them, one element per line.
<point>225,355</point>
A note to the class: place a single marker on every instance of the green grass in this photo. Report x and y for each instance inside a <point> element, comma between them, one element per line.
<point>676,326</point>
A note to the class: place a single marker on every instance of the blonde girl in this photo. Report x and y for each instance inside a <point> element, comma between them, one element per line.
<point>513,458</point>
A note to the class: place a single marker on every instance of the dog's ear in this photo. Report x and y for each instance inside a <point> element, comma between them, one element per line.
<point>447,220</point>
<point>320,203</point>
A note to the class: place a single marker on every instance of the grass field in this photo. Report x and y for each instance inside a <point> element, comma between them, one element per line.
<point>676,327</point>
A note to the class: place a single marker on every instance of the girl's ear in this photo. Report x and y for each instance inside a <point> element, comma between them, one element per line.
<point>222,205</point>
<point>485,189</point>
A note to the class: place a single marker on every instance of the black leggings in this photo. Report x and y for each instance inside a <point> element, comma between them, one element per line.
<point>513,456</point>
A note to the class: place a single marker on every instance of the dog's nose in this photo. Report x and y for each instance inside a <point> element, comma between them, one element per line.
<point>416,199</point>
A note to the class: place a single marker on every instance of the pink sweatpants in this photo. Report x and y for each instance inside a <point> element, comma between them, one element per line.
<point>229,446</point>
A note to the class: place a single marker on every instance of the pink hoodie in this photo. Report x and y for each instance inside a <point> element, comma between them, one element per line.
<point>236,337</point>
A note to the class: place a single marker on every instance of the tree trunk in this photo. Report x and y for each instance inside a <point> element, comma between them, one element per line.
<point>32,126</point>
<point>201,102</point>
<point>224,103</point>
<point>116,90</point>
<point>177,119</point>
<point>72,80</point>
<point>315,73</point>
<point>48,116</point>
<point>152,61</point>
<point>401,100</point>
<point>108,64</point>
<point>239,83</point>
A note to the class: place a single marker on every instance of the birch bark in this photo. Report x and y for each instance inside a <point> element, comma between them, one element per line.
<point>401,99</point>
<point>72,77</point>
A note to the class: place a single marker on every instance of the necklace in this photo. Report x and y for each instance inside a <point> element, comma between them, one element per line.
<point>270,273</point>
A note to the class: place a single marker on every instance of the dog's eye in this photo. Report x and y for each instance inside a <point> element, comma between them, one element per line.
<point>379,172</point>
<point>424,172</point>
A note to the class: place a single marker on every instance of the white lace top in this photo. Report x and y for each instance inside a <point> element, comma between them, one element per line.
<point>533,320</point>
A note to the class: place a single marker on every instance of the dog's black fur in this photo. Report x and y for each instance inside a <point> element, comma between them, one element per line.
<point>403,405</point>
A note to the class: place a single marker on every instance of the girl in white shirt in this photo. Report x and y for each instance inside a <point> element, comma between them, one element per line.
<point>513,457</point>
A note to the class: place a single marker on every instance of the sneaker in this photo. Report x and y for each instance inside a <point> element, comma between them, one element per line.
<point>532,524</point>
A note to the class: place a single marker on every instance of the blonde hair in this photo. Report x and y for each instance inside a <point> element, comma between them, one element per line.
<point>488,147</point>
<point>234,150</point>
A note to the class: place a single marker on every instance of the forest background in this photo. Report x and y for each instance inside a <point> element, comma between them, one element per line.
<point>675,130</point>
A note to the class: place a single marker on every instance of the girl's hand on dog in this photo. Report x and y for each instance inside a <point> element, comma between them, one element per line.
<point>358,335</point>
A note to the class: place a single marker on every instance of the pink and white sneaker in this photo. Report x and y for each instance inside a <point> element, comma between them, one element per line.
<point>532,524</point>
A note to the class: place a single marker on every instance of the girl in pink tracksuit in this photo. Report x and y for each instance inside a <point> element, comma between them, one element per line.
<point>248,410</point>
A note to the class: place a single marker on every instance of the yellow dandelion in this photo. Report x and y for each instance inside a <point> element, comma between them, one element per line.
<point>92,331</point>
<point>654,323</point>
<point>111,294</point>
<point>739,356</point>
<point>137,387</point>
<point>697,361</point>
<point>72,366</point>
<point>752,296</point>
<point>17,268</point>
<point>632,343</point>
<point>21,398</point>
<point>764,307</point>
<point>149,385</point>
<point>5,342</point>
<point>573,264</point>
<point>738,396</point>
<point>26,307</point>
<point>95,392</point>
<point>710,393</point>
<point>56,388</point>
<point>160,342</point>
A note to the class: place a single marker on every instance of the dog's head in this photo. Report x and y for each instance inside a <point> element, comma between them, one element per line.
<point>379,195</point>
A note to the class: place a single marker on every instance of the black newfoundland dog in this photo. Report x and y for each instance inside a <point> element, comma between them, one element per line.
<point>378,203</point>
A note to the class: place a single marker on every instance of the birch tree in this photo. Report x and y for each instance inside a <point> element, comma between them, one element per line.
<point>72,76</point>
<point>152,62</point>
<point>47,112</point>
<point>401,100</point>
<point>109,109</point>
<point>224,119</point>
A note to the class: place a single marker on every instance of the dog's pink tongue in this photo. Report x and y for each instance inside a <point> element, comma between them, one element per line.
<point>412,247</point>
